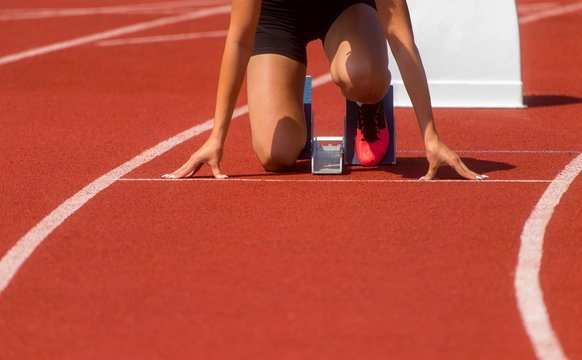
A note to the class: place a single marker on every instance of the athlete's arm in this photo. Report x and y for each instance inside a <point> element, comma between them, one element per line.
<point>395,20</point>
<point>237,52</point>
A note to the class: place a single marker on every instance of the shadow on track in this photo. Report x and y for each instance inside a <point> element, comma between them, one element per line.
<point>406,167</point>
<point>533,101</point>
<point>415,167</point>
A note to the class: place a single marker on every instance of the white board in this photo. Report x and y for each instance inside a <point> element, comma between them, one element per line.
<point>470,50</point>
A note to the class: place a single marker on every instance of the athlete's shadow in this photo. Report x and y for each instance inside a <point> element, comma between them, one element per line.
<point>406,167</point>
<point>416,167</point>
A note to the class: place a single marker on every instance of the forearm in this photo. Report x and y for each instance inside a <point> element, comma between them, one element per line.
<point>237,52</point>
<point>395,20</point>
<point>232,72</point>
<point>415,82</point>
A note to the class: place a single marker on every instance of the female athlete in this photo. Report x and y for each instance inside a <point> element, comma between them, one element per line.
<point>267,41</point>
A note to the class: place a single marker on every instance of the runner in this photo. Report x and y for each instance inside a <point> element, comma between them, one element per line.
<point>267,40</point>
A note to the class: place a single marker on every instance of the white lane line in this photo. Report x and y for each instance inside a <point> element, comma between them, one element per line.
<point>115,32</point>
<point>553,12</point>
<point>323,180</point>
<point>503,151</point>
<point>529,294</point>
<point>321,80</point>
<point>26,245</point>
<point>18,254</point>
<point>151,8</point>
<point>529,8</point>
<point>164,38</point>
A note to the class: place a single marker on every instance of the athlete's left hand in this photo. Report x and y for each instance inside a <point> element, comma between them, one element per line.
<point>438,154</point>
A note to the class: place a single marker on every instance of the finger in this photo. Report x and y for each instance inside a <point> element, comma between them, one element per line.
<point>189,168</point>
<point>195,170</point>
<point>431,173</point>
<point>216,171</point>
<point>464,171</point>
<point>189,172</point>
<point>172,175</point>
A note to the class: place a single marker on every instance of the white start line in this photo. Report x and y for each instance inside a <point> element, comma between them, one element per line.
<point>324,180</point>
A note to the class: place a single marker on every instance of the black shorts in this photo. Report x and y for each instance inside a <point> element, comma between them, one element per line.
<point>286,26</point>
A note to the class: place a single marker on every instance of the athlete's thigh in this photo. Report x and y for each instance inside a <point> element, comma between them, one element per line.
<point>356,41</point>
<point>275,97</point>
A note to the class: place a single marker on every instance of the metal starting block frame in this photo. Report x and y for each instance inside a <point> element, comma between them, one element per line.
<point>330,154</point>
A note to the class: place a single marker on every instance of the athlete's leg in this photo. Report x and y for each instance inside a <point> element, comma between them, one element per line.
<point>356,48</point>
<point>275,96</point>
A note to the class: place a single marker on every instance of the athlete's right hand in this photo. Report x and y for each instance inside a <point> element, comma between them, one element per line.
<point>210,153</point>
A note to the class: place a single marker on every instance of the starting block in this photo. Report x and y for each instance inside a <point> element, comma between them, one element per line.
<point>330,154</point>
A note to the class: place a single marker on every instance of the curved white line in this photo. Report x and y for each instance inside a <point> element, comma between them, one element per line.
<point>530,297</point>
<point>164,38</point>
<point>557,11</point>
<point>115,32</point>
<point>21,251</point>
<point>18,254</point>
<point>148,8</point>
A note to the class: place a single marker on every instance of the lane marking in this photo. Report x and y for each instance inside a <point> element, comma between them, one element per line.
<point>529,8</point>
<point>529,294</point>
<point>18,254</point>
<point>115,32</point>
<point>25,246</point>
<point>151,8</point>
<point>547,10</point>
<point>503,151</point>
<point>203,13</point>
<point>338,180</point>
<point>553,12</point>
<point>164,38</point>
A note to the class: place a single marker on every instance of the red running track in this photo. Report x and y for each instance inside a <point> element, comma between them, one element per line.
<point>368,265</point>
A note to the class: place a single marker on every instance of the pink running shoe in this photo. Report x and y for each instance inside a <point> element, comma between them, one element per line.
<point>372,134</point>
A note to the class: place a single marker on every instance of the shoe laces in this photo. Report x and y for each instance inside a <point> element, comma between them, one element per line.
<point>369,122</point>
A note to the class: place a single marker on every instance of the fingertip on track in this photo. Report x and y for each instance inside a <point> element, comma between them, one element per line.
<point>170,177</point>
<point>479,177</point>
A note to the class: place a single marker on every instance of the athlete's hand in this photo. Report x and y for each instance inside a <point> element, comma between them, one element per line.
<point>438,154</point>
<point>210,153</point>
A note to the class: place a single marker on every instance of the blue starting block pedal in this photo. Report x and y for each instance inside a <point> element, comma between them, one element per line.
<point>306,152</point>
<point>330,154</point>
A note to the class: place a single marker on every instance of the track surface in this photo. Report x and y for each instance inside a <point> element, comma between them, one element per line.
<point>290,266</point>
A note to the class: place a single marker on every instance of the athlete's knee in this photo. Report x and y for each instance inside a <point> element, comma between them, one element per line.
<point>277,154</point>
<point>368,84</point>
<point>276,159</point>
<point>364,81</point>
